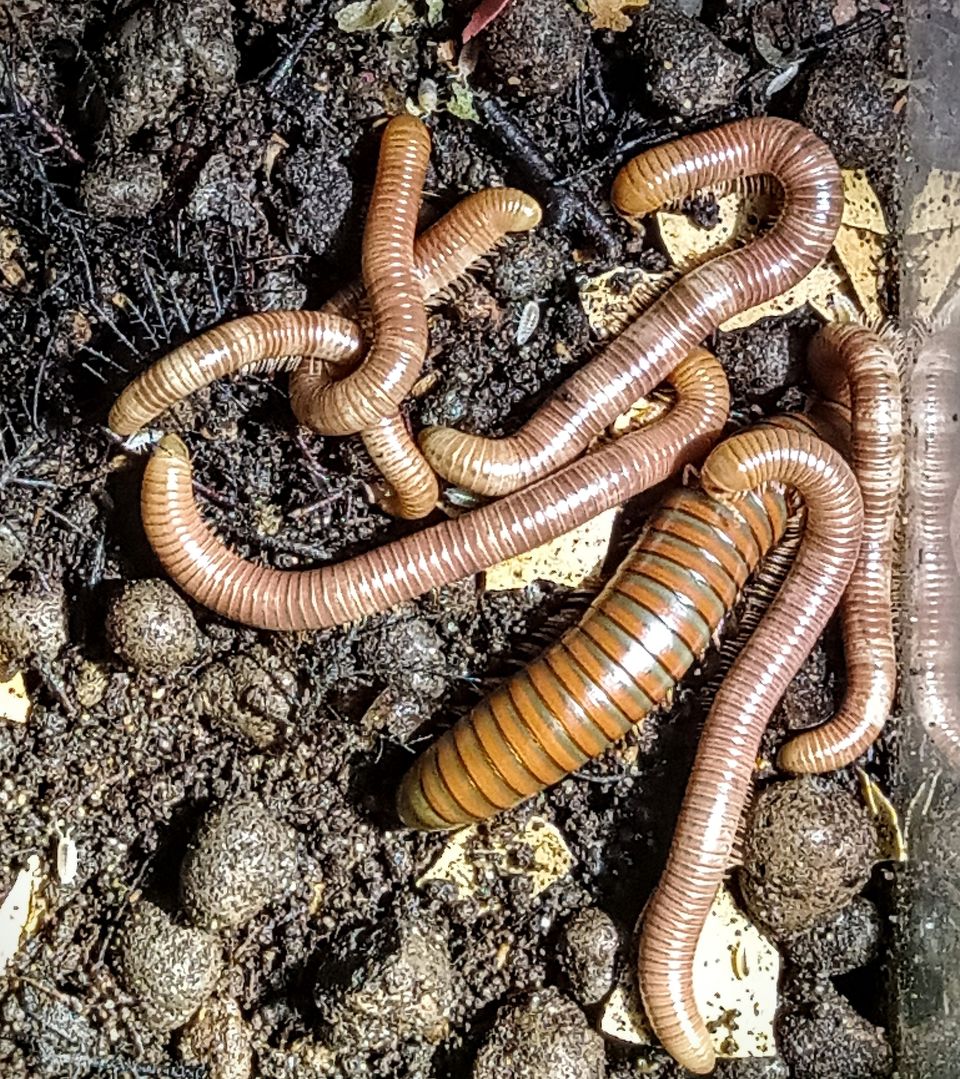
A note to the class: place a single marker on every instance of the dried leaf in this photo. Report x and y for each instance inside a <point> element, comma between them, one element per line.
<point>14,701</point>
<point>20,910</point>
<point>890,838</point>
<point>612,14</point>
<point>484,14</point>
<point>862,255</point>
<point>931,260</point>
<point>366,15</point>
<point>613,299</point>
<point>735,985</point>
<point>464,864</point>
<point>861,206</point>
<point>461,102</point>
<point>571,559</point>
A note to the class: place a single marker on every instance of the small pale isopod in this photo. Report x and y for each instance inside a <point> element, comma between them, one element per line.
<point>67,857</point>
<point>529,321</point>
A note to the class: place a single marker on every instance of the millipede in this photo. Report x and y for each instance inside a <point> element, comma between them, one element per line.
<point>857,376</point>
<point>726,755</point>
<point>258,595</point>
<point>640,357</point>
<point>651,623</point>
<point>277,340</point>
<point>394,293</point>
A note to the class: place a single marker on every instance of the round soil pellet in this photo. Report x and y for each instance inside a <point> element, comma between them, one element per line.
<point>152,628</point>
<point>169,969</point>
<point>241,860</point>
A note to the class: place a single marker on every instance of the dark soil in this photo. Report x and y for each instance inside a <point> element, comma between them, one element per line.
<point>169,164</point>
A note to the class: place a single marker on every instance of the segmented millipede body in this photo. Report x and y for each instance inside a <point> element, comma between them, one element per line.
<point>275,340</point>
<point>313,599</point>
<point>265,342</point>
<point>722,770</point>
<point>640,357</point>
<point>394,293</point>
<point>641,635</point>
<point>932,572</point>
<point>854,369</point>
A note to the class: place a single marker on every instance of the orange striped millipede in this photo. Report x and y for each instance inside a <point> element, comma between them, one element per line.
<point>641,635</point>
<point>313,599</point>
<point>394,292</point>
<point>695,306</point>
<point>722,770</point>
<point>854,369</point>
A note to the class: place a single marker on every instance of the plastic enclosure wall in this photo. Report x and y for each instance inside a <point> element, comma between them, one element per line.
<point>925,1000</point>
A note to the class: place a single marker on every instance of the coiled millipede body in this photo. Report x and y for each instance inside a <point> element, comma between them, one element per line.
<point>857,376</point>
<point>720,779</point>
<point>394,292</point>
<point>278,340</point>
<point>640,357</point>
<point>261,596</point>
<point>654,619</point>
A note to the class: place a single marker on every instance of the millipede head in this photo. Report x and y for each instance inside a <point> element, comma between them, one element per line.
<point>172,446</point>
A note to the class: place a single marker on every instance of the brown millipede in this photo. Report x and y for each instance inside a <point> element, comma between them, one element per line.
<point>854,369</point>
<point>394,293</point>
<point>260,343</point>
<point>443,253</point>
<point>633,363</point>
<point>313,599</point>
<point>726,756</point>
<point>268,341</point>
<point>641,635</point>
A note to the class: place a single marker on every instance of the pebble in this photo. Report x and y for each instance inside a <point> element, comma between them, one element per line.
<point>394,985</point>
<point>840,943</point>
<point>589,950</point>
<point>33,625</point>
<point>164,49</point>
<point>536,47</point>
<point>543,1036</point>
<point>687,69</point>
<point>407,654</point>
<point>13,549</point>
<point>170,969</point>
<point>321,197</point>
<point>241,860</point>
<point>151,627</point>
<point>218,1038</point>
<point>808,849</point>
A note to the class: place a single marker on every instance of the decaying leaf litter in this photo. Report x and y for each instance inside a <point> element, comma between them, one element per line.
<point>155,183</point>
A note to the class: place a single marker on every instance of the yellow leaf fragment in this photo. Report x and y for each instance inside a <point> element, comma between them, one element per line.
<point>612,300</point>
<point>937,205</point>
<point>735,985</point>
<point>464,864</point>
<point>829,289</point>
<point>861,206</point>
<point>612,14</point>
<point>929,269</point>
<point>862,255</point>
<point>571,559</point>
<point>14,701</point>
<point>20,911</point>
<point>892,845</point>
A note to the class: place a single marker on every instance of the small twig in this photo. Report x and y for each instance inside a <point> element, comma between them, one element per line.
<point>564,206</point>
<point>284,65</point>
